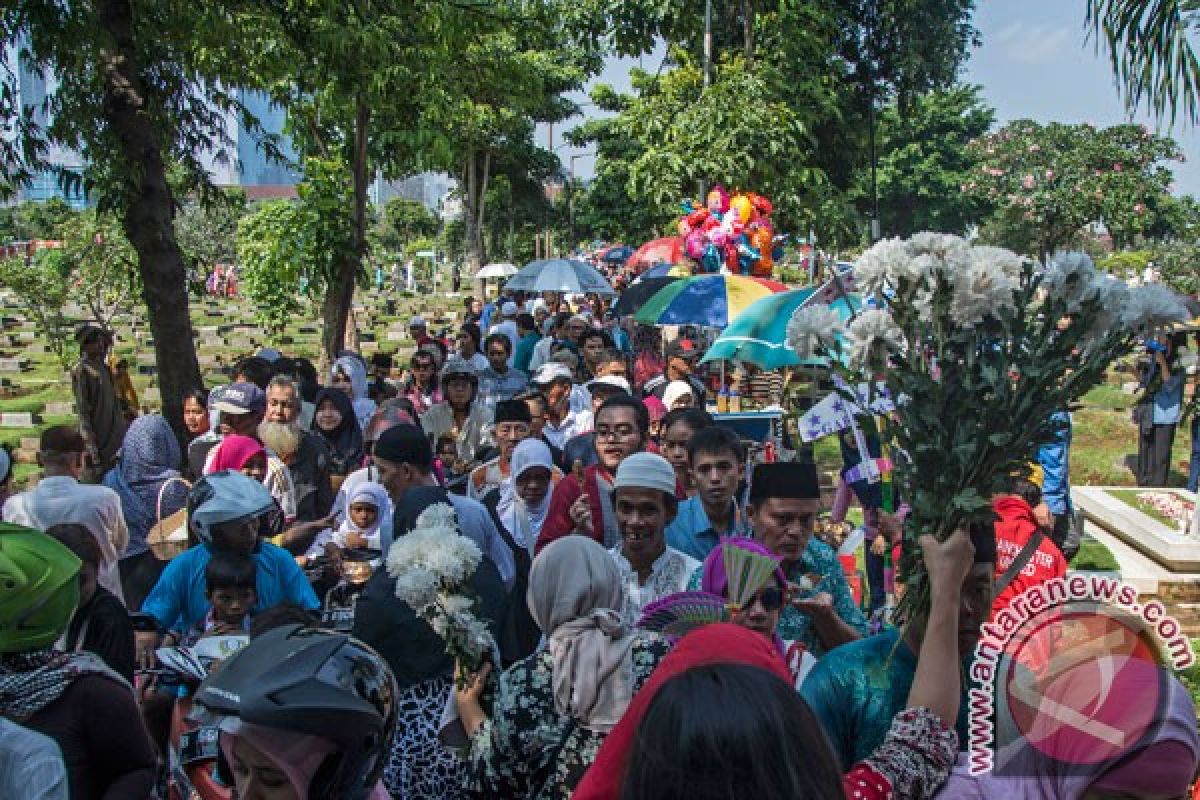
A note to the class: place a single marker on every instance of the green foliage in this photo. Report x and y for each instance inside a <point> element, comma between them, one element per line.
<point>42,289</point>
<point>925,160</point>
<point>272,248</point>
<point>292,249</point>
<point>34,220</point>
<point>100,264</point>
<point>1049,181</point>
<point>1126,263</point>
<point>207,232</point>
<point>402,221</point>
<point>1179,263</point>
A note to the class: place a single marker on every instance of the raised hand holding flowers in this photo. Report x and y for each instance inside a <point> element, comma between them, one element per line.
<point>981,348</point>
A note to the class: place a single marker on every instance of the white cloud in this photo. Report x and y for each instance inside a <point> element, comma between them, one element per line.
<point>1034,44</point>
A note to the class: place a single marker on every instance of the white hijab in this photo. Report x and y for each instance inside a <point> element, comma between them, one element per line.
<point>523,521</point>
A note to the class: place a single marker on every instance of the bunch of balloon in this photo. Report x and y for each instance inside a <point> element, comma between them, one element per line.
<point>731,233</point>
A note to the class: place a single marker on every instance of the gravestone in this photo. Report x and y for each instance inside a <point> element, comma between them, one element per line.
<point>19,419</point>
<point>14,365</point>
<point>59,409</point>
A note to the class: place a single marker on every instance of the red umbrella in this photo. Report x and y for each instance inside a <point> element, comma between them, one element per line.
<point>669,249</point>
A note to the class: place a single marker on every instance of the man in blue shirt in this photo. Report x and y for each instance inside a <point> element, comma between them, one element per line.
<point>718,464</point>
<point>226,512</point>
<point>1054,457</point>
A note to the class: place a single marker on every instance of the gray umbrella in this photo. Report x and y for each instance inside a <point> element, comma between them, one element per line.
<point>559,275</point>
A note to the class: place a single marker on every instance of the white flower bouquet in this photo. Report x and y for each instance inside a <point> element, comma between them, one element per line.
<point>432,566</point>
<point>980,348</point>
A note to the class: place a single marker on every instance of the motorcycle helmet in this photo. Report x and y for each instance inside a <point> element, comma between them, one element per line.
<point>39,588</point>
<point>315,682</point>
<point>458,367</point>
<point>230,496</point>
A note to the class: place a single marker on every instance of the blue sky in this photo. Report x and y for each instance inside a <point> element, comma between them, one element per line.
<point>1033,62</point>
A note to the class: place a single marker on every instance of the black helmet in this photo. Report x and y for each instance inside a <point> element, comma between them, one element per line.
<point>317,682</point>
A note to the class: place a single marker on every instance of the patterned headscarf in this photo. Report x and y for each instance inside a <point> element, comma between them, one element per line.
<point>149,457</point>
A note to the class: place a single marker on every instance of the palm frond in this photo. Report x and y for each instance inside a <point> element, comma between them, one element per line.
<point>1151,53</point>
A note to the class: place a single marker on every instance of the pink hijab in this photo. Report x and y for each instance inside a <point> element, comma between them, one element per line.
<point>233,452</point>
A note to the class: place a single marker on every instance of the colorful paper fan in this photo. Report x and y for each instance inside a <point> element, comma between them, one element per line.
<point>747,572</point>
<point>677,614</point>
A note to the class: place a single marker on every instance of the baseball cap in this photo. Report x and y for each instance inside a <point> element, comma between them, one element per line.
<point>550,372</point>
<point>417,322</point>
<point>646,471</point>
<point>509,309</point>
<point>683,348</point>
<point>614,381</point>
<point>241,398</point>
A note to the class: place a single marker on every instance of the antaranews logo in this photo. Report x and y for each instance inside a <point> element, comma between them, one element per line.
<point>1073,671</point>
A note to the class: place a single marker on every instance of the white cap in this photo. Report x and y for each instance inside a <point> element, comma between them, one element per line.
<point>509,309</point>
<point>676,390</point>
<point>417,321</point>
<point>550,372</point>
<point>616,381</point>
<point>539,305</point>
<point>646,471</point>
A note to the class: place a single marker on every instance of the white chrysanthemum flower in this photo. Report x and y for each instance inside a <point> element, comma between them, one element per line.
<point>456,604</point>
<point>942,246</point>
<point>439,516</point>
<point>1005,260</point>
<point>416,587</point>
<point>980,289</point>
<point>440,624</point>
<point>812,327</point>
<point>923,302</point>
<point>872,335</point>
<point>1073,279</point>
<point>1151,307</point>
<point>882,264</point>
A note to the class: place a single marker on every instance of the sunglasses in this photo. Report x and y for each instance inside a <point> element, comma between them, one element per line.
<point>771,599</point>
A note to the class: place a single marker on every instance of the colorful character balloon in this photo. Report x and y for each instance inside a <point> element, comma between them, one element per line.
<point>731,232</point>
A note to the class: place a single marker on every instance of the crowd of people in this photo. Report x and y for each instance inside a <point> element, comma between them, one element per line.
<point>577,455</point>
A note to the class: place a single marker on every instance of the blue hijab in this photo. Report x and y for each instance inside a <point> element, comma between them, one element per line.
<point>149,457</point>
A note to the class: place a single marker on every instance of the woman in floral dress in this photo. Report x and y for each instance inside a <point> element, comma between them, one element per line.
<point>552,710</point>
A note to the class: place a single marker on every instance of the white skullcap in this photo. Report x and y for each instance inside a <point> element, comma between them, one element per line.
<point>646,471</point>
<point>509,309</point>
<point>615,381</point>
<point>550,372</point>
<point>676,390</point>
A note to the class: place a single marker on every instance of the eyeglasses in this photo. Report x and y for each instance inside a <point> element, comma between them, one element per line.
<point>498,353</point>
<point>616,434</point>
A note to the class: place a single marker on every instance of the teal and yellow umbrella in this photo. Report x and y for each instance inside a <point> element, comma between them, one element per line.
<point>759,335</point>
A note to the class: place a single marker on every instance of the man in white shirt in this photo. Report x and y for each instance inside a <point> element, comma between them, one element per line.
<point>31,764</point>
<point>554,380</point>
<point>644,502</point>
<point>59,497</point>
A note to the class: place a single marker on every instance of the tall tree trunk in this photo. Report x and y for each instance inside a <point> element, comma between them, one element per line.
<point>748,31</point>
<point>339,294</point>
<point>147,211</point>
<point>475,178</point>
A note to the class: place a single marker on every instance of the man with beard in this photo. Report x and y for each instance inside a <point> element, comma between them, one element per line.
<point>644,499</point>
<point>583,501</point>
<point>305,454</point>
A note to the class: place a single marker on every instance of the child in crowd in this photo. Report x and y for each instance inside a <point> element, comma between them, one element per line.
<point>446,451</point>
<point>368,509</point>
<point>230,581</point>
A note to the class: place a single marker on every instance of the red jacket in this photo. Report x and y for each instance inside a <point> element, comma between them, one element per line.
<point>1015,523</point>
<point>558,519</point>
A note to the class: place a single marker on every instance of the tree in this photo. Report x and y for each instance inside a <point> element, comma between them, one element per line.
<point>1152,57</point>
<point>287,249</point>
<point>34,220</point>
<point>272,251</point>
<point>100,266</point>
<point>138,87</point>
<point>1048,182</point>
<point>42,290</point>
<point>925,160</point>
<point>207,233</point>
<point>402,221</point>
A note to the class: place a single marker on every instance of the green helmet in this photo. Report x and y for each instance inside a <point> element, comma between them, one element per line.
<point>39,589</point>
